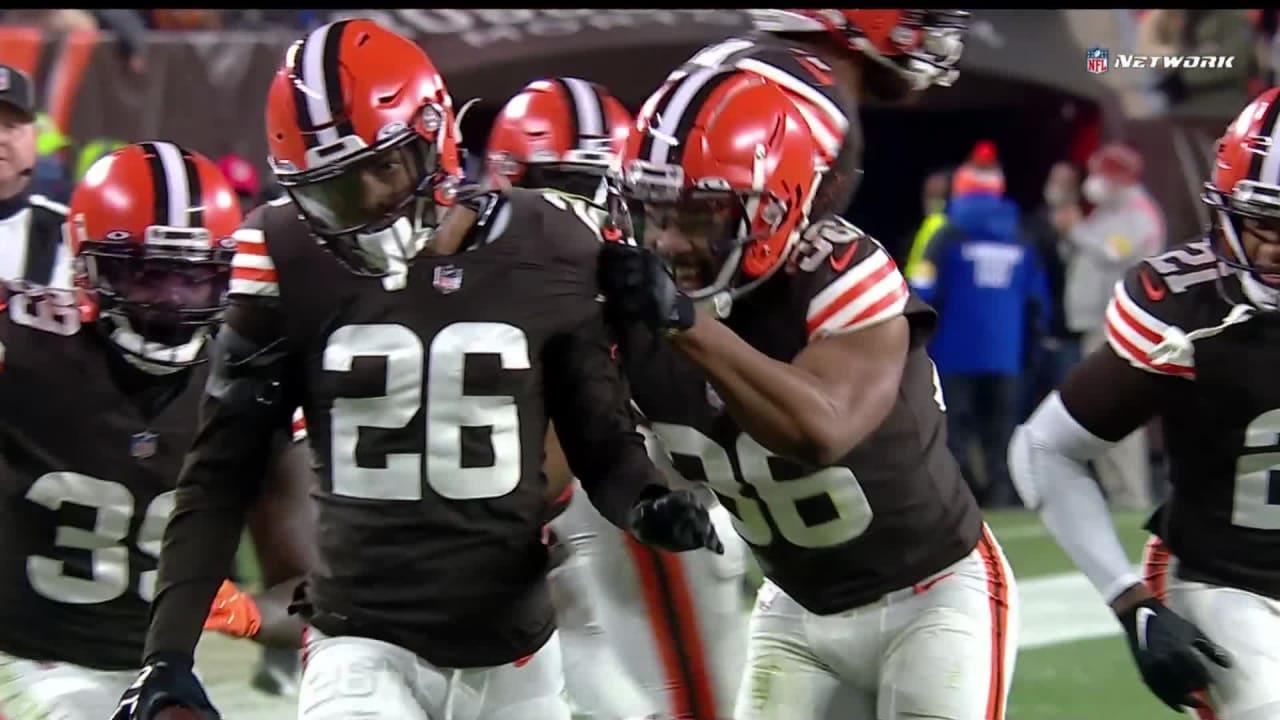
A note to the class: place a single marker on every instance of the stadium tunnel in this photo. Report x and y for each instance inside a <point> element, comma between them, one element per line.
<point>1023,84</point>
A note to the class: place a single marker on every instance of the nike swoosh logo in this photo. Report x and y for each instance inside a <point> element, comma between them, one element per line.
<point>843,262</point>
<point>1144,616</point>
<point>1155,293</point>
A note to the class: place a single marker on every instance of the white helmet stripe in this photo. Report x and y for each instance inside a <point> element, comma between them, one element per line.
<point>587,108</point>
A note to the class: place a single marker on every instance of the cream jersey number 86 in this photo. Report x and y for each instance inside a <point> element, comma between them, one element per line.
<point>778,499</point>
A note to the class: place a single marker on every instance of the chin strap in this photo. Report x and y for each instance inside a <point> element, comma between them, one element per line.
<point>1176,347</point>
<point>151,357</point>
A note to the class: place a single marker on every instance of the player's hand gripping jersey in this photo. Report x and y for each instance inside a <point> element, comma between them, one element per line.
<point>892,511</point>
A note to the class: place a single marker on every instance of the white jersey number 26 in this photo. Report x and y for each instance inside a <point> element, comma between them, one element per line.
<point>449,410</point>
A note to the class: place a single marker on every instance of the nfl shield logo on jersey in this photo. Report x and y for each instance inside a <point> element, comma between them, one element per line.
<point>448,278</point>
<point>144,444</point>
<point>1095,60</point>
<point>714,400</point>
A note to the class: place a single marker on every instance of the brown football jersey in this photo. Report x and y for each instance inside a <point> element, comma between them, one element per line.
<point>895,510</point>
<point>90,451</point>
<point>831,113</point>
<point>427,394</point>
<point>1218,408</point>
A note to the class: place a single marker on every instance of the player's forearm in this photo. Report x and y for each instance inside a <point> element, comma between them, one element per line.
<point>616,473</point>
<point>590,407</point>
<point>199,547</point>
<point>221,479</point>
<point>279,628</point>
<point>1047,463</point>
<point>282,521</point>
<point>780,405</point>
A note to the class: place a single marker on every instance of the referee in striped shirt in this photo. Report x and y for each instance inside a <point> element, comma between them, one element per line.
<point>31,226</point>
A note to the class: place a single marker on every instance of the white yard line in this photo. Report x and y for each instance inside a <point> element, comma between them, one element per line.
<point>1021,532</point>
<point>1062,608</point>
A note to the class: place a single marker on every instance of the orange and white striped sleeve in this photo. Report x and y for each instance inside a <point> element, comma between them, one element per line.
<point>299,426</point>
<point>1134,323</point>
<point>252,270</point>
<point>865,290</point>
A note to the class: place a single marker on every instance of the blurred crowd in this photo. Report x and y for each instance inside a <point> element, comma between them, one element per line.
<point>61,162</point>
<point>1022,297</point>
<point>131,26</point>
<point>1248,35</point>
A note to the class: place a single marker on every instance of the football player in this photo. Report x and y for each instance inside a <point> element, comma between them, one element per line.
<point>99,393</point>
<point>1192,337</point>
<point>828,61</point>
<point>674,620</point>
<point>429,336</point>
<point>799,389</point>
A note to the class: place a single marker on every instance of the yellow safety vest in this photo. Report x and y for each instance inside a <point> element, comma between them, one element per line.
<point>920,244</point>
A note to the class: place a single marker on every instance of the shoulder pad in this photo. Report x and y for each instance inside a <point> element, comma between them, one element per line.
<point>850,281</point>
<point>1168,294</point>
<point>253,272</point>
<point>583,209</point>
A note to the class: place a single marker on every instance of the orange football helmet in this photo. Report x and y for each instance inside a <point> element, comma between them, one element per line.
<point>362,134</point>
<point>1245,186</point>
<point>150,226</point>
<point>921,45</point>
<point>724,155</point>
<point>564,133</point>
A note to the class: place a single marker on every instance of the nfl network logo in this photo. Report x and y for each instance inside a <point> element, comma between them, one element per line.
<point>1095,60</point>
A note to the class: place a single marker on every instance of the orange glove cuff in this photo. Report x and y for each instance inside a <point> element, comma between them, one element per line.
<point>234,612</point>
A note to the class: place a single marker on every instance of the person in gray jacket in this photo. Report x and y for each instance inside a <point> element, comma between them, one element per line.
<point>1125,226</point>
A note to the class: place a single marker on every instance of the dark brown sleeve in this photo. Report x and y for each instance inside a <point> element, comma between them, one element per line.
<point>1110,397</point>
<point>282,523</point>
<point>221,477</point>
<point>590,404</point>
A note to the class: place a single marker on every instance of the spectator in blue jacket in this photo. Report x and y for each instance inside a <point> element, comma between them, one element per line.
<point>992,297</point>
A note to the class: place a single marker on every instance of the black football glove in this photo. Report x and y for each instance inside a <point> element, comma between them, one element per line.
<point>1171,653</point>
<point>638,288</point>
<point>166,680</point>
<point>674,521</point>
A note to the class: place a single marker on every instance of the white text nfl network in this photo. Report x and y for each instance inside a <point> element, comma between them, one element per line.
<point>1189,62</point>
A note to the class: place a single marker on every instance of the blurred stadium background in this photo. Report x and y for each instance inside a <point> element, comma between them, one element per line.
<point>199,77</point>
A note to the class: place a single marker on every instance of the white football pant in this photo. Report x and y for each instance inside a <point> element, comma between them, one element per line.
<point>675,620</point>
<point>347,677</point>
<point>942,649</point>
<point>1245,624</point>
<point>31,690</point>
